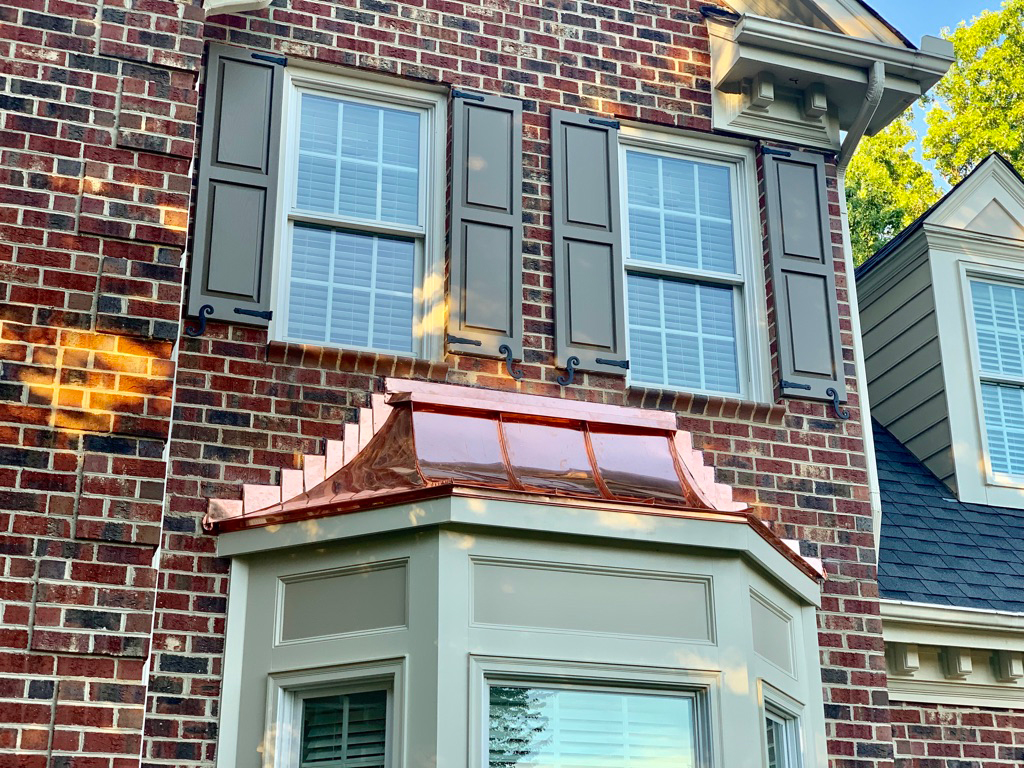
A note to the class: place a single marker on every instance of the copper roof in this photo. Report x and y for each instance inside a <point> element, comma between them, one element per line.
<point>426,440</point>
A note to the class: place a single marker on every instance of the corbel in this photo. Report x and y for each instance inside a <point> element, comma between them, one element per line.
<point>903,658</point>
<point>956,663</point>
<point>815,101</point>
<point>1009,666</point>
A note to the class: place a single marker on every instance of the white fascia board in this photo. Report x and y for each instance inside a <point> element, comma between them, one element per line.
<point>804,55</point>
<point>945,625</point>
<point>612,526</point>
<point>217,7</point>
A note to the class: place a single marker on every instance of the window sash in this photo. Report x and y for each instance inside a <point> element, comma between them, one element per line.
<point>643,739</point>
<point>340,223</point>
<point>694,274</point>
<point>782,740</point>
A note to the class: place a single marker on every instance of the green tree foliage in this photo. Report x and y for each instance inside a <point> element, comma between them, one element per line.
<point>979,107</point>
<point>886,188</point>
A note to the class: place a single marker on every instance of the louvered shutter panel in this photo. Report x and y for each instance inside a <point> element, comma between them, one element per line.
<point>345,731</point>
<point>486,273</point>
<point>232,251</point>
<point>589,321</point>
<point>806,309</point>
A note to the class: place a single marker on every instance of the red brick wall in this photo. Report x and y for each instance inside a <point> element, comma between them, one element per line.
<point>91,239</point>
<point>938,736</point>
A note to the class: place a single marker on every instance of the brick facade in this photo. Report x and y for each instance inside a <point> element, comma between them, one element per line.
<point>115,428</point>
<point>938,736</point>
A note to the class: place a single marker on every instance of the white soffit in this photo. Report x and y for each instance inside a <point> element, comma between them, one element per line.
<point>848,17</point>
<point>216,7</point>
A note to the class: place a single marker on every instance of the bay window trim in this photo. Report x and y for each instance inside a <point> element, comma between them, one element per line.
<point>703,686</point>
<point>287,690</point>
<point>748,282</point>
<point>427,234</point>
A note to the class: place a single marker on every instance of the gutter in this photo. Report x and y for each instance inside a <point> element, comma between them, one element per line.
<point>873,97</point>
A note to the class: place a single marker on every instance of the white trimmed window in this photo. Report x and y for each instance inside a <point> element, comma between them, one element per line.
<point>999,328</point>
<point>691,271</point>
<point>359,243</point>
<point>782,739</point>
<point>566,727</point>
<point>339,726</point>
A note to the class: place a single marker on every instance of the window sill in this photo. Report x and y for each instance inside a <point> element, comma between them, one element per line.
<point>713,406</point>
<point>354,361</point>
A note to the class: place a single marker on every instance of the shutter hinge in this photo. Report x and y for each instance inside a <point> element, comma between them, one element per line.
<point>279,60</point>
<point>617,363</point>
<point>260,313</point>
<point>459,340</point>
<point>793,385</point>
<point>456,94</point>
<point>607,123</point>
<point>773,151</point>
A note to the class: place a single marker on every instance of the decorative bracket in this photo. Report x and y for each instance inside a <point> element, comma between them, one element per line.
<point>842,413</point>
<point>199,330</point>
<point>506,350</point>
<point>570,370</point>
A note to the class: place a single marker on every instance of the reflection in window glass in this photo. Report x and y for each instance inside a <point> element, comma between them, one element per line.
<point>781,740</point>
<point>551,728</point>
<point>345,731</point>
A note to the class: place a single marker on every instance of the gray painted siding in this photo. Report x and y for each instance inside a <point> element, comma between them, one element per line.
<point>904,367</point>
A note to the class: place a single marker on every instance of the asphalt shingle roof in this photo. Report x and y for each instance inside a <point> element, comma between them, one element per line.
<point>935,549</point>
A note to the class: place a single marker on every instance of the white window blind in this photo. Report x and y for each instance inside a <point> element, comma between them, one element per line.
<point>999,326</point>
<point>345,731</point>
<point>551,728</point>
<point>682,277</point>
<point>359,170</point>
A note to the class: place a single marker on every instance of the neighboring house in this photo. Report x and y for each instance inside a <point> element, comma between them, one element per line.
<point>514,410</point>
<point>942,308</point>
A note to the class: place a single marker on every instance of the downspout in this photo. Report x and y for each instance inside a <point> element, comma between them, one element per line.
<point>876,87</point>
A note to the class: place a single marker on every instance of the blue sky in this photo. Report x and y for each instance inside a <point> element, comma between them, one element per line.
<point>915,18</point>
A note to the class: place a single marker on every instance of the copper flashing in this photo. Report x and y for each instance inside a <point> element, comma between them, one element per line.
<point>428,440</point>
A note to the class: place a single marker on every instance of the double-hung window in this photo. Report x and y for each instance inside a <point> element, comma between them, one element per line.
<point>690,270</point>
<point>999,327</point>
<point>358,241</point>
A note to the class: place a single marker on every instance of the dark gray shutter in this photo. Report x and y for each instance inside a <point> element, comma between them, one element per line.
<point>803,275</point>
<point>486,272</point>
<point>588,272</point>
<point>232,250</point>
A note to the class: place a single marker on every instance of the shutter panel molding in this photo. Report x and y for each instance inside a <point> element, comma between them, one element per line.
<point>587,251</point>
<point>486,267</point>
<point>236,206</point>
<point>803,276</point>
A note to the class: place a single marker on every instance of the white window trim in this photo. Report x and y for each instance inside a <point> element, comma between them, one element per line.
<point>428,290</point>
<point>751,316</point>
<point>486,671</point>
<point>1001,276</point>
<point>776,705</point>
<point>286,691</point>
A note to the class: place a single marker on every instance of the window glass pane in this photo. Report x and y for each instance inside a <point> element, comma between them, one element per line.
<point>542,728</point>
<point>682,334</point>
<point>999,319</point>
<point>680,212</point>
<point>1003,406</point>
<point>776,738</point>
<point>351,288</point>
<point>345,731</point>
<point>358,160</point>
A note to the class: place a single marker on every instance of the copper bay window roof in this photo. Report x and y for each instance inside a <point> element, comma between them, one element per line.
<point>424,440</point>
